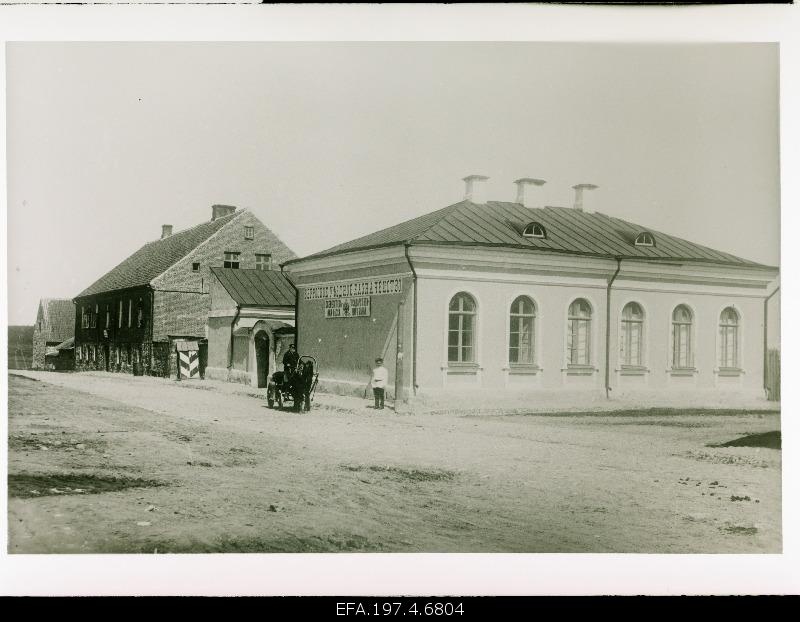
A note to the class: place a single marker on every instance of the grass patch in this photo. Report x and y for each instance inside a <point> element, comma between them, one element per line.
<point>736,529</point>
<point>770,440</point>
<point>645,412</point>
<point>286,544</point>
<point>664,423</point>
<point>724,459</point>
<point>27,485</point>
<point>413,475</point>
<point>21,377</point>
<point>52,442</point>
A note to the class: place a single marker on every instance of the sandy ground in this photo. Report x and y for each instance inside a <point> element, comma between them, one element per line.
<point>235,475</point>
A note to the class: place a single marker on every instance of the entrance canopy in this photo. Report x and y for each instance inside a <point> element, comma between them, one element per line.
<point>243,324</point>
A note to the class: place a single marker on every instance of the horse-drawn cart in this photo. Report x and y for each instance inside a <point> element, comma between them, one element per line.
<point>296,386</point>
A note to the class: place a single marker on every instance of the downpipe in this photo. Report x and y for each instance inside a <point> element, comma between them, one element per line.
<point>296,309</point>
<point>230,348</point>
<point>414,324</point>
<point>766,335</point>
<point>608,325</point>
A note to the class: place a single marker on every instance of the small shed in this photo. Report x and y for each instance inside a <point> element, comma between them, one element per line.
<point>61,357</point>
<point>250,325</point>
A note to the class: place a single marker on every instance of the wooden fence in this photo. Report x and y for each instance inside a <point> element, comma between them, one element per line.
<point>773,376</point>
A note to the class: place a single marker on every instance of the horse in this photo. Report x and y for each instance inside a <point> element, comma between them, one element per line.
<point>298,383</point>
<point>301,384</point>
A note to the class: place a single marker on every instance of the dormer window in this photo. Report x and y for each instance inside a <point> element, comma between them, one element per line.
<point>534,230</point>
<point>231,260</point>
<point>645,239</point>
<point>248,233</point>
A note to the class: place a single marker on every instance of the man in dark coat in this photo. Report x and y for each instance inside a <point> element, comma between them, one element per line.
<point>290,360</point>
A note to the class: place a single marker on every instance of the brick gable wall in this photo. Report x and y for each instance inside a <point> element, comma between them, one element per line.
<point>183,296</point>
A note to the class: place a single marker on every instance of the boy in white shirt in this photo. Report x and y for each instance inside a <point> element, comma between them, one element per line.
<point>380,376</point>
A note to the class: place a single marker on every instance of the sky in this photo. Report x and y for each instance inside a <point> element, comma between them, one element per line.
<point>327,142</point>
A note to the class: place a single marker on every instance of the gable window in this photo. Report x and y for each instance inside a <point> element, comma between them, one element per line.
<point>248,233</point>
<point>534,230</point>
<point>84,318</point>
<point>263,261</point>
<point>729,339</point>
<point>93,318</point>
<point>231,260</point>
<point>196,267</point>
<point>130,312</point>
<point>632,335</point>
<point>645,239</point>
<point>461,329</point>
<point>139,314</point>
<point>579,333</point>
<point>119,315</point>
<point>682,321</point>
<point>108,316</point>
<point>520,337</point>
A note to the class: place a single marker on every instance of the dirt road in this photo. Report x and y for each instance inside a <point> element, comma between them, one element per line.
<point>112,463</point>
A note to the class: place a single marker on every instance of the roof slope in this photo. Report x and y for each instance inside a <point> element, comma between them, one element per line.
<point>264,288</point>
<point>155,257</point>
<point>58,316</point>
<point>69,344</point>
<point>500,223</point>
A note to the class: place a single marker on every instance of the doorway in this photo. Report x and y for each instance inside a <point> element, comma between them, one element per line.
<point>262,358</point>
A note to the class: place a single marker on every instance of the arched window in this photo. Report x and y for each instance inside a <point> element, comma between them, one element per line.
<point>632,335</point>
<point>521,332</point>
<point>645,239</point>
<point>682,337</point>
<point>579,334</point>
<point>461,329</point>
<point>729,338</point>
<point>534,230</point>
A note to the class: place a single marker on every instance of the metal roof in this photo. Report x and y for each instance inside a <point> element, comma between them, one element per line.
<point>500,224</point>
<point>69,344</point>
<point>262,288</point>
<point>155,257</point>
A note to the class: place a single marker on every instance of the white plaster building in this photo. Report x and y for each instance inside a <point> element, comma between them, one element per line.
<point>502,296</point>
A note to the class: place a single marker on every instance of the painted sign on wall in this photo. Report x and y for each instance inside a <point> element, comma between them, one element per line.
<point>347,307</point>
<point>362,287</point>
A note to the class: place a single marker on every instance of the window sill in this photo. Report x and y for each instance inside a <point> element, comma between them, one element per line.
<point>580,370</point>
<point>633,370</point>
<point>462,368</point>
<point>522,370</point>
<point>729,372</point>
<point>682,371</point>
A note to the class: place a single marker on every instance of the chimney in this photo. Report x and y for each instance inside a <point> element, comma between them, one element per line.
<point>474,190</point>
<point>579,202</point>
<point>218,211</point>
<point>166,231</point>
<point>521,183</point>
